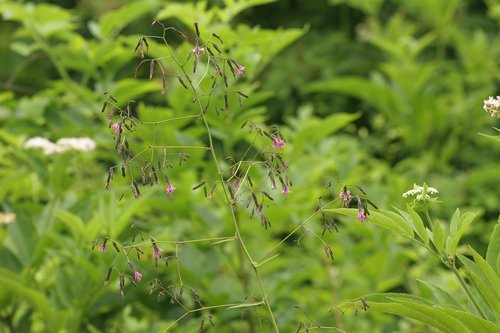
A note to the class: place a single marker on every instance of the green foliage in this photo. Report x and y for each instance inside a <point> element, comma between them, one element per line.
<point>377,93</point>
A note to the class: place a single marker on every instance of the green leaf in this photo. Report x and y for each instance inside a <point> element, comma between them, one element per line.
<point>458,225</point>
<point>416,308</point>
<point>493,252</point>
<point>383,218</point>
<point>234,7</point>
<point>482,284</point>
<point>14,283</point>
<point>487,272</point>
<point>113,22</point>
<point>438,237</point>
<point>419,225</point>
<point>441,295</point>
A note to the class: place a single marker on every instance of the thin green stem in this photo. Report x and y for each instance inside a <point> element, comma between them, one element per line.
<point>467,290</point>
<point>227,196</point>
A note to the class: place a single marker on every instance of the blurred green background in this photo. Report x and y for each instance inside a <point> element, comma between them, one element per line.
<point>383,94</point>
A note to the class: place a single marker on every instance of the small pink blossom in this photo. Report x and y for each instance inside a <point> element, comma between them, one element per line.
<point>102,248</point>
<point>236,185</point>
<point>361,215</point>
<point>285,190</point>
<point>240,68</point>
<point>278,143</point>
<point>156,251</point>
<point>198,50</point>
<point>137,276</point>
<point>170,189</point>
<point>346,197</point>
<point>117,127</point>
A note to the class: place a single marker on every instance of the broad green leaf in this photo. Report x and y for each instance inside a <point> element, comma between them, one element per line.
<point>474,323</point>
<point>458,225</point>
<point>493,252</point>
<point>416,308</point>
<point>386,219</point>
<point>482,284</point>
<point>113,22</point>
<point>438,237</point>
<point>15,284</point>
<point>454,222</point>
<point>234,7</point>
<point>487,271</point>
<point>419,225</point>
<point>441,295</point>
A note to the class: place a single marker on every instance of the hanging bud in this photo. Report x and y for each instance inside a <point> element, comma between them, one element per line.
<point>197,29</point>
<point>108,275</point>
<point>182,82</point>
<point>151,69</point>
<point>122,285</point>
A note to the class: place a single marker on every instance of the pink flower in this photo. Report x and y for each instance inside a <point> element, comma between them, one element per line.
<point>117,127</point>
<point>170,189</point>
<point>278,143</point>
<point>137,276</point>
<point>361,215</point>
<point>240,69</point>
<point>102,248</point>
<point>198,50</point>
<point>236,184</point>
<point>346,197</point>
<point>285,190</point>
<point>156,251</point>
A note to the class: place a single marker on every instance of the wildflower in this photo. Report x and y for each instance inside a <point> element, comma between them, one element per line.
<point>49,148</point>
<point>345,195</point>
<point>361,215</point>
<point>102,248</point>
<point>156,251</point>
<point>198,50</point>
<point>492,106</point>
<point>278,143</point>
<point>240,69</point>
<point>236,185</point>
<point>137,275</point>
<point>285,190</point>
<point>81,144</point>
<point>418,192</point>
<point>117,127</point>
<point>170,189</point>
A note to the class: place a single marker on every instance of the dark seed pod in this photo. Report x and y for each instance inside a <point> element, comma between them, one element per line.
<point>197,29</point>
<point>151,69</point>
<point>216,36</point>
<point>108,275</point>
<point>122,285</point>
<point>182,82</point>
<point>217,48</point>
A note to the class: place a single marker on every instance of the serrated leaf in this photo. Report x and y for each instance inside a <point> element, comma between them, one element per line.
<point>441,295</point>
<point>482,284</point>
<point>414,307</point>
<point>386,219</point>
<point>113,22</point>
<point>419,225</point>
<point>493,252</point>
<point>458,226</point>
<point>438,237</point>
<point>487,271</point>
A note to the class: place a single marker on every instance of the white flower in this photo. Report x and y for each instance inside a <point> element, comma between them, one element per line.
<point>48,147</point>
<point>418,193</point>
<point>492,106</point>
<point>82,144</point>
<point>62,145</point>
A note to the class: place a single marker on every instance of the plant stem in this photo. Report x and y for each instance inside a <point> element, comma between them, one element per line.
<point>228,199</point>
<point>467,290</point>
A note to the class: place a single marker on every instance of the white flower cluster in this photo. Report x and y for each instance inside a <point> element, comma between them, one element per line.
<point>492,106</point>
<point>62,145</point>
<point>418,193</point>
